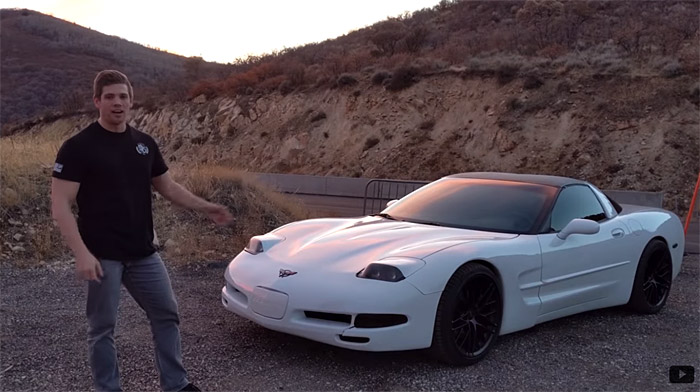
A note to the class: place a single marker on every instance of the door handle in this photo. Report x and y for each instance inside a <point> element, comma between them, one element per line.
<point>617,233</point>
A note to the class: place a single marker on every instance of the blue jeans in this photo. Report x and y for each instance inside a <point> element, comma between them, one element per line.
<point>148,283</point>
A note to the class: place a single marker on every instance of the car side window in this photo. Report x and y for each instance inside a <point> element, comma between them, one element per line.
<point>575,201</point>
<point>608,206</point>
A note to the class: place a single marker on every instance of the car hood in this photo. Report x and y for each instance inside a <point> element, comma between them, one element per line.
<point>357,241</point>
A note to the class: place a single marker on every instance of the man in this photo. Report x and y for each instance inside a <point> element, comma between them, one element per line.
<point>109,168</point>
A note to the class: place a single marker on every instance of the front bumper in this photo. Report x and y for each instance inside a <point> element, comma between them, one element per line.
<point>292,304</point>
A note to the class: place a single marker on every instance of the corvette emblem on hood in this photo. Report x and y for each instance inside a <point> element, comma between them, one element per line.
<point>285,272</point>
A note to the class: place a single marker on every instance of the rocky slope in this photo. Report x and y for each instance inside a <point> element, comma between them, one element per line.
<point>629,132</point>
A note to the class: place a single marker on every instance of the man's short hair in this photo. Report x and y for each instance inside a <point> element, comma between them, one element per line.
<point>109,77</point>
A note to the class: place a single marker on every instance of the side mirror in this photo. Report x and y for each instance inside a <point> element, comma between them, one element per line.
<point>391,202</point>
<point>579,226</point>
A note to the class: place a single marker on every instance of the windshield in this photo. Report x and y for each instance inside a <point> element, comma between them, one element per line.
<point>489,205</point>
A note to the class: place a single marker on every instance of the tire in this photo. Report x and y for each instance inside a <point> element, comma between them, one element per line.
<point>468,318</point>
<point>652,281</point>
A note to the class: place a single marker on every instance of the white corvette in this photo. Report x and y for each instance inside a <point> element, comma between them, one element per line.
<point>457,263</point>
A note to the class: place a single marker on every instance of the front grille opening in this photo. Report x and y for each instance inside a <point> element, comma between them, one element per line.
<point>337,317</point>
<point>367,320</point>
<point>354,339</point>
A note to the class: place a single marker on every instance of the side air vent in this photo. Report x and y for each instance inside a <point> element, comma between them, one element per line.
<point>354,339</point>
<point>366,320</point>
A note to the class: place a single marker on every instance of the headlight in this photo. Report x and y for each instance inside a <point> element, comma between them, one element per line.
<point>261,243</point>
<point>391,269</point>
<point>378,271</point>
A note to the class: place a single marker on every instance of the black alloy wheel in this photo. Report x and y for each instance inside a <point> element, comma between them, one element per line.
<point>657,278</point>
<point>469,315</point>
<point>652,282</point>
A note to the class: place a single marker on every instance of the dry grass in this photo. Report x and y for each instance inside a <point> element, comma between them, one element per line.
<point>25,167</point>
<point>194,238</point>
<point>25,218</point>
<point>46,243</point>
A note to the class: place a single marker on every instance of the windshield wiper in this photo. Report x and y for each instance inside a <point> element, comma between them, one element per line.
<point>385,215</point>
<point>431,223</point>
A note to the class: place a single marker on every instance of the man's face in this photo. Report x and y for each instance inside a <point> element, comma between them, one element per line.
<point>114,104</point>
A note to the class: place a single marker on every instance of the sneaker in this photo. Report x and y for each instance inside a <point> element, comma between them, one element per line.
<point>190,388</point>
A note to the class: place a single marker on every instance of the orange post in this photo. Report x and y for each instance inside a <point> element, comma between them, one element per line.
<point>692,205</point>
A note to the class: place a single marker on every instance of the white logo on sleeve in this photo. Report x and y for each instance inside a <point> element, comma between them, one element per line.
<point>142,149</point>
<point>57,167</point>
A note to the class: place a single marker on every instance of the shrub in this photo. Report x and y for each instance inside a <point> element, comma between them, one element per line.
<point>570,62</point>
<point>452,52</point>
<point>286,87</point>
<point>395,61</point>
<point>73,102</point>
<point>618,69</point>
<point>272,83</point>
<point>149,104</point>
<point>356,61</point>
<point>672,69</point>
<point>532,82</point>
<point>427,65</point>
<point>387,36</point>
<point>296,74</point>
<point>346,80</point>
<point>380,77</point>
<point>415,38</point>
<point>208,88</point>
<point>552,51</point>
<point>507,72</point>
<point>402,78</point>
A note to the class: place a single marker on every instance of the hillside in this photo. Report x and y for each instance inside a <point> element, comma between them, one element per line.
<point>643,135</point>
<point>603,91</point>
<point>47,64</point>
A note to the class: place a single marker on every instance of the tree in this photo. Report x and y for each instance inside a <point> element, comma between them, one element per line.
<point>387,36</point>
<point>193,67</point>
<point>575,14</point>
<point>415,38</point>
<point>543,17</point>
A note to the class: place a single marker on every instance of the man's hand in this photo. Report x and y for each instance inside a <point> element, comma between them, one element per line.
<point>87,267</point>
<point>180,196</point>
<point>218,213</point>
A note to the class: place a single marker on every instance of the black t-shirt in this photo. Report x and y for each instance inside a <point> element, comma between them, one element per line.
<point>114,199</point>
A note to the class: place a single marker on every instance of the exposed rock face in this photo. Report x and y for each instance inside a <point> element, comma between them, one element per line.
<point>620,134</point>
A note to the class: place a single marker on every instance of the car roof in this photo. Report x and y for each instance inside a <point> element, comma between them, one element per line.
<point>539,179</point>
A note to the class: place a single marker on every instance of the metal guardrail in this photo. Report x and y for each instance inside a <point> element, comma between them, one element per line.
<point>379,192</point>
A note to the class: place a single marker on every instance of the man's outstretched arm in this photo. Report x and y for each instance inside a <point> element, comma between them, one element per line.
<point>180,196</point>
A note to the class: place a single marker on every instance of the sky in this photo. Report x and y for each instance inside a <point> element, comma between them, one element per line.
<point>223,30</point>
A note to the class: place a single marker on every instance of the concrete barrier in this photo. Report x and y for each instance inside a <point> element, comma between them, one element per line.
<point>650,199</point>
<point>314,185</point>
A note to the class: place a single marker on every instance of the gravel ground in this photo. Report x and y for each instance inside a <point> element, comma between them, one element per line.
<point>42,345</point>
